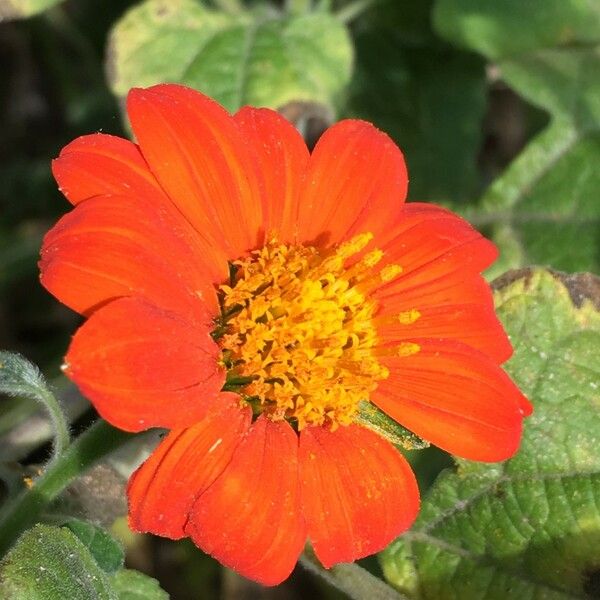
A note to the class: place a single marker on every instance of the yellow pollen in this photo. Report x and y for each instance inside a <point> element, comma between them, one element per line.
<point>390,272</point>
<point>408,348</point>
<point>297,334</point>
<point>408,317</point>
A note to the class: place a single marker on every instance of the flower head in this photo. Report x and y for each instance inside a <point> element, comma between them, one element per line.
<point>248,295</point>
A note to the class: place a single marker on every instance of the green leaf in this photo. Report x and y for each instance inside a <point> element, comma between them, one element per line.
<point>106,551</point>
<point>544,208</point>
<point>528,527</point>
<point>513,27</point>
<point>546,204</point>
<point>19,377</point>
<point>434,114</point>
<point>51,563</point>
<point>20,9</point>
<point>376,420</point>
<point>132,585</point>
<point>258,58</point>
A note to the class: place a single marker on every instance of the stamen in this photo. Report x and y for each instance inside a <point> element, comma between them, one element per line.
<point>298,331</point>
<point>408,317</point>
<point>390,272</point>
<point>408,348</point>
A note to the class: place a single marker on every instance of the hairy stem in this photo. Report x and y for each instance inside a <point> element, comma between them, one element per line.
<point>21,512</point>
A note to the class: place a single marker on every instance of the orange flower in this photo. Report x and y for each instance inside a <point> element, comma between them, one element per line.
<point>247,295</point>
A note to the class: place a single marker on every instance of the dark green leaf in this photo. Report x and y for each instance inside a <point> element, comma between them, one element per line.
<point>428,96</point>
<point>106,551</point>
<point>529,527</point>
<point>262,58</point>
<point>131,585</point>
<point>51,563</point>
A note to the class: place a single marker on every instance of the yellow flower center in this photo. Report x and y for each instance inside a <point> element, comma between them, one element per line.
<point>297,331</point>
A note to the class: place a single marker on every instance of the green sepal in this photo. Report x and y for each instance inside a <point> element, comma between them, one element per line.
<point>376,420</point>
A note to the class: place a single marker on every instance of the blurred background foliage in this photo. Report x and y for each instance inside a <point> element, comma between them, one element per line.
<point>496,104</point>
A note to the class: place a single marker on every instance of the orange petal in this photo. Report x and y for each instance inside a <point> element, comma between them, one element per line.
<point>356,182</point>
<point>197,153</point>
<point>474,324</point>
<point>115,246</point>
<point>358,492</point>
<point>455,397</point>
<point>162,491</point>
<point>142,366</point>
<point>431,245</point>
<point>281,157</point>
<point>98,164</point>
<point>441,257</point>
<point>250,519</point>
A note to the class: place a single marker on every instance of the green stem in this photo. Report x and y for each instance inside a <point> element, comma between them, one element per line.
<point>21,512</point>
<point>354,9</point>
<point>59,423</point>
<point>357,583</point>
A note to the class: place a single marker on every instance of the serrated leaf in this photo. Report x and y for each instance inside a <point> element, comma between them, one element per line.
<point>433,113</point>
<point>51,563</point>
<point>528,527</point>
<point>544,209</point>
<point>20,9</point>
<point>107,552</point>
<point>256,58</point>
<point>132,585</point>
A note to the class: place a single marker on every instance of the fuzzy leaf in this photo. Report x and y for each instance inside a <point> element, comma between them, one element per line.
<point>19,377</point>
<point>257,58</point>
<point>529,527</point>
<point>132,585</point>
<point>106,551</point>
<point>51,563</point>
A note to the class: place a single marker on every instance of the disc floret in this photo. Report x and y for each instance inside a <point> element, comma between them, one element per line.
<point>299,332</point>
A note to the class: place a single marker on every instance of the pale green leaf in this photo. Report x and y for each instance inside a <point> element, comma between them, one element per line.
<point>528,527</point>
<point>20,9</point>
<point>259,58</point>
